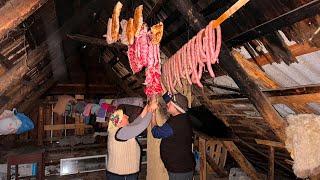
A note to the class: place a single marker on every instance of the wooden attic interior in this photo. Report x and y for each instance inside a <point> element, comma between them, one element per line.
<point>269,68</point>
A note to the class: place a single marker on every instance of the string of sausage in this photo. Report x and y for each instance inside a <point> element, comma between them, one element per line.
<point>199,53</point>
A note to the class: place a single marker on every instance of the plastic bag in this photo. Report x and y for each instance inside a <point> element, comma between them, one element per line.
<point>26,125</point>
<point>9,124</point>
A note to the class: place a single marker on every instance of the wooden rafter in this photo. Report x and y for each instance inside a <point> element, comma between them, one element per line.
<point>16,11</point>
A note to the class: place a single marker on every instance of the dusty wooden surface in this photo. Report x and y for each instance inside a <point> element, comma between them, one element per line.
<point>15,11</point>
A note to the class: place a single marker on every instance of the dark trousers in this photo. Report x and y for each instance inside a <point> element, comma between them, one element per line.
<point>181,176</point>
<point>112,176</point>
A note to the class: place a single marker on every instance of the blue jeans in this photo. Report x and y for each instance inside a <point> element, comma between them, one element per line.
<point>112,176</point>
<point>180,176</point>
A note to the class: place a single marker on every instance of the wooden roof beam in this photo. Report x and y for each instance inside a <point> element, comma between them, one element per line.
<point>246,84</point>
<point>307,10</point>
<point>16,11</point>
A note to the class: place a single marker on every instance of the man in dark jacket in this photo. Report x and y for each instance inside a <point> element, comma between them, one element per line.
<point>176,134</point>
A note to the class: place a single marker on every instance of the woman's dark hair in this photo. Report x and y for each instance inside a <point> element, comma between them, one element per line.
<point>132,111</point>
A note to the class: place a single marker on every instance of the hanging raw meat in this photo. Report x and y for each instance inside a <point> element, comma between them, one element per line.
<point>138,51</point>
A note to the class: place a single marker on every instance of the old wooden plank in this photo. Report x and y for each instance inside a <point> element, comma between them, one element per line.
<point>245,165</point>
<point>271,164</point>
<point>270,143</point>
<point>309,9</point>
<point>255,72</point>
<point>40,125</point>
<point>56,127</point>
<point>16,11</point>
<point>203,159</point>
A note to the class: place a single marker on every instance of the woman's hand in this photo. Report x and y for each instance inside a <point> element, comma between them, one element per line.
<point>153,106</point>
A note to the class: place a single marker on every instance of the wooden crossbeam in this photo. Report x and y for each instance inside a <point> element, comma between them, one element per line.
<point>16,11</point>
<point>245,165</point>
<point>307,10</point>
<point>65,126</point>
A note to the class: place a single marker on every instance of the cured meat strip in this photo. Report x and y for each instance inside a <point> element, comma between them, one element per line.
<point>178,68</point>
<point>212,43</point>
<point>170,77</point>
<point>208,54</point>
<point>187,62</point>
<point>200,44</point>
<point>218,45</point>
<point>198,62</point>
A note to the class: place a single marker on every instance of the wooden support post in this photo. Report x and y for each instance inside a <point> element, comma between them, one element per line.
<point>271,163</point>
<point>241,160</point>
<point>16,11</point>
<point>40,125</point>
<point>246,84</point>
<point>203,159</point>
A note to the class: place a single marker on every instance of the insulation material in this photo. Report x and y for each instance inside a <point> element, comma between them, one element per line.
<point>155,167</point>
<point>303,139</point>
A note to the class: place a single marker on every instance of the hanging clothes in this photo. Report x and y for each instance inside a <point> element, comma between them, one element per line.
<point>95,108</point>
<point>61,104</point>
<point>101,115</point>
<point>87,110</point>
